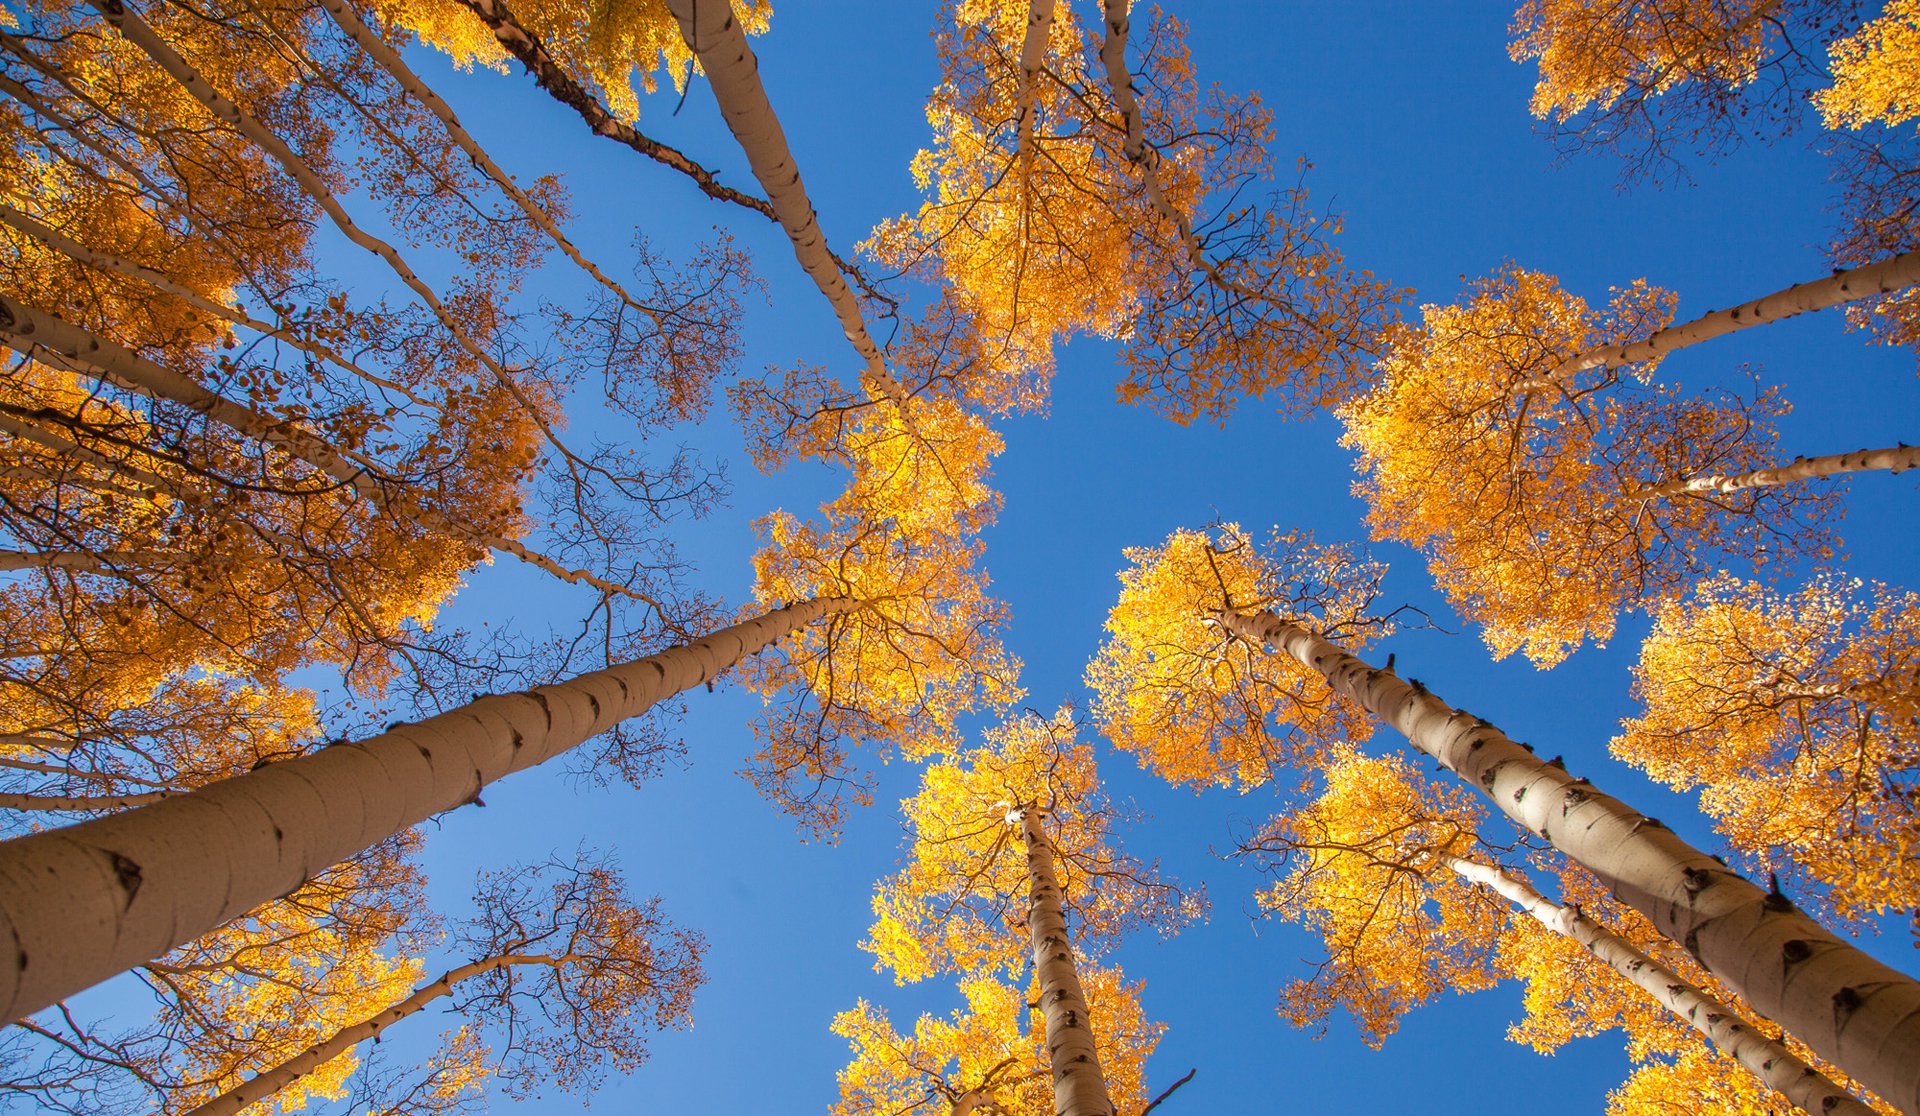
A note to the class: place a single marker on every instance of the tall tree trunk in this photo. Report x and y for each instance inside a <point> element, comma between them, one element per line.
<point>268,1082</point>
<point>1079,1089</point>
<point>1837,289</point>
<point>1893,460</point>
<point>80,804</point>
<point>717,41</point>
<point>79,904</point>
<point>1855,1012</point>
<point>1769,1059</point>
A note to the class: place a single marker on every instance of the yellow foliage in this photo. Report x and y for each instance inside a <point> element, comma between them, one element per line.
<point>620,46</point>
<point>1591,53</point>
<point>1518,480</point>
<point>920,649</point>
<point>1791,713</point>
<point>1201,709</point>
<point>960,904</point>
<point>995,1047</point>
<point>1362,874</point>
<point>1876,71</point>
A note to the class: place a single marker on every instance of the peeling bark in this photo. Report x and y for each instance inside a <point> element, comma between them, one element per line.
<point>1893,460</point>
<point>80,904</point>
<point>1079,1089</point>
<point>1853,1011</point>
<point>1769,1059</point>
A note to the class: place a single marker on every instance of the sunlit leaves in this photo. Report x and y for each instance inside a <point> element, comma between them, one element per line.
<point>993,1049</point>
<point>1517,472</point>
<point>1876,71</point>
<point>960,904</point>
<point>1793,714</point>
<point>1200,709</point>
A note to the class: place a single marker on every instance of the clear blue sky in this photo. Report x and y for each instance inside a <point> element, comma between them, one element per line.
<point>1416,122</point>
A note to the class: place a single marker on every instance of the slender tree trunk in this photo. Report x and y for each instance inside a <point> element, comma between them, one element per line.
<point>79,904</point>
<point>268,1082</point>
<point>717,41</point>
<point>93,561</point>
<point>1079,1089</point>
<point>1855,1012</point>
<point>1893,460</point>
<point>26,327</point>
<point>1778,1067</point>
<point>1837,289</point>
<point>27,225</point>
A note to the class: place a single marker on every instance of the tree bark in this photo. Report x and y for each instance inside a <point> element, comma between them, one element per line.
<point>1837,289</point>
<point>1853,1011</point>
<point>717,41</point>
<point>80,904</point>
<point>1769,1059</point>
<point>1079,1089</point>
<point>1893,460</point>
<point>268,1082</point>
<point>75,804</point>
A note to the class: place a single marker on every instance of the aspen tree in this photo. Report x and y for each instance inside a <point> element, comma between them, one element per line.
<point>991,885</point>
<point>1853,1011</point>
<point>90,900</point>
<point>1648,78</point>
<point>1520,439</point>
<point>564,964</point>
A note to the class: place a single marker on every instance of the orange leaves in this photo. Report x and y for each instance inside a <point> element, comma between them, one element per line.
<point>1362,871</point>
<point>1789,712</point>
<point>1488,445</point>
<point>1200,709</point>
<point>1594,54</point>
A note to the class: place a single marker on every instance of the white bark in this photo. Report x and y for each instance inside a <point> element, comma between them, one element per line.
<point>717,41</point>
<point>271,1081</point>
<point>1079,1089</point>
<point>1893,460</point>
<point>80,804</point>
<point>1820,294</point>
<point>1769,1059</point>
<point>1853,1011</point>
<point>75,348</point>
<point>80,904</point>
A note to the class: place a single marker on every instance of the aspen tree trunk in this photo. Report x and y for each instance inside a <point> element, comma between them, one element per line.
<point>28,225</point>
<point>717,41</point>
<point>1033,53</point>
<point>1079,1089</point>
<point>1769,1059</point>
<point>81,803</point>
<point>1855,1012</point>
<point>1820,294</point>
<point>26,327</point>
<point>79,904</point>
<point>1893,460</point>
<point>268,1082</point>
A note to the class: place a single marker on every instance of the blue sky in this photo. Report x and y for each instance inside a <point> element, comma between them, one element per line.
<point>1416,122</point>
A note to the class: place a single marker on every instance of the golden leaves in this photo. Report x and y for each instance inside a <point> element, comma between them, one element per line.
<point>1790,713</point>
<point>1496,447</point>
<point>1198,708</point>
<point>1876,71</point>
